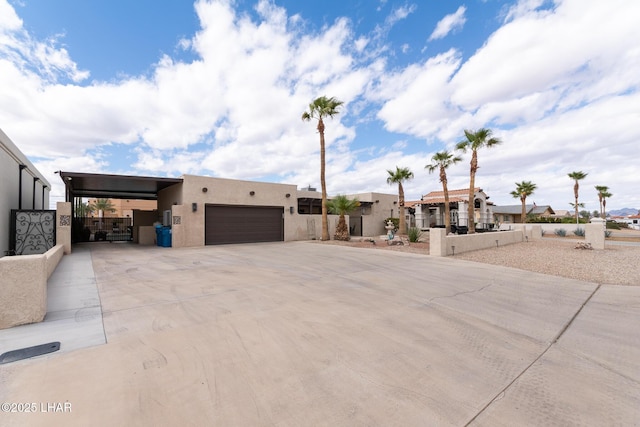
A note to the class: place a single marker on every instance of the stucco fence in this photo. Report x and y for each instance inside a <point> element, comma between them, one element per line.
<point>441,244</point>
<point>23,286</point>
<point>547,228</point>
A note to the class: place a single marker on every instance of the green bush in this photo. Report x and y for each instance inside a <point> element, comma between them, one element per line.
<point>560,232</point>
<point>579,232</point>
<point>414,234</point>
<point>612,225</point>
<point>395,221</point>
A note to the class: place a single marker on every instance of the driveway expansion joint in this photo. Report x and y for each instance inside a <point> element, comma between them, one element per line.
<point>503,392</point>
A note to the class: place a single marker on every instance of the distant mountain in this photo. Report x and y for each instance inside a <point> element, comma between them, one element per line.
<point>623,212</point>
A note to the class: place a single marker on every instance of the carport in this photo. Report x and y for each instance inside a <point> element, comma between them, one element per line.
<point>88,185</point>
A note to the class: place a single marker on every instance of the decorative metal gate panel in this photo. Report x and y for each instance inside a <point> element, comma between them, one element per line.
<point>32,231</point>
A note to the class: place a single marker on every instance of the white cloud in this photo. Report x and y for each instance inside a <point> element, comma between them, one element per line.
<point>562,96</point>
<point>559,101</point>
<point>449,23</point>
<point>416,98</point>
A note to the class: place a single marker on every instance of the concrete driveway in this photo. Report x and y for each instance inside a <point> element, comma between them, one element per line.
<point>306,334</point>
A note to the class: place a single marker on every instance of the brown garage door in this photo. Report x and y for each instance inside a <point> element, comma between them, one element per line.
<point>243,224</point>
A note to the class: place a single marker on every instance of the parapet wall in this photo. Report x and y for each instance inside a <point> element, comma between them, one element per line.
<point>23,286</point>
<point>441,244</point>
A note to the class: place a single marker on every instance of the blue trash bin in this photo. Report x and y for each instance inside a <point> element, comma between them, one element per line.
<point>166,237</point>
<point>158,235</point>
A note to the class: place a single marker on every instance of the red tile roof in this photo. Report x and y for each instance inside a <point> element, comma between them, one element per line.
<point>458,192</point>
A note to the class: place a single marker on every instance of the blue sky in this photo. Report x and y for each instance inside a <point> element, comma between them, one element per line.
<point>217,88</point>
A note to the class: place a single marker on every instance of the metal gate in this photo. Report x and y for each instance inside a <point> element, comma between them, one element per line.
<point>32,231</point>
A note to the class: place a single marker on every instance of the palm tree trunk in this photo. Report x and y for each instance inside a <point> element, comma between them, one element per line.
<point>575,193</point>
<point>604,208</point>
<point>402,223</point>
<point>323,184</point>
<point>472,183</point>
<point>445,190</point>
<point>524,209</point>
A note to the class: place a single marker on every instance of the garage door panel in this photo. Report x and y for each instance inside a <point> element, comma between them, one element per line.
<point>243,224</point>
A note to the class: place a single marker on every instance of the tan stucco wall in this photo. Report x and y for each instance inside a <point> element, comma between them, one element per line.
<point>442,245</point>
<point>23,290</point>
<point>23,286</point>
<point>63,225</point>
<point>595,233</point>
<point>382,206</point>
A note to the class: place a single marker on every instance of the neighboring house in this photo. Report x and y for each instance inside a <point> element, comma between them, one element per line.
<point>512,214</point>
<point>124,207</point>
<point>563,213</point>
<point>429,211</point>
<point>23,187</point>
<point>632,221</point>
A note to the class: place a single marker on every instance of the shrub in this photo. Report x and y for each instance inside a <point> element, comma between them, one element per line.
<point>560,232</point>
<point>579,232</point>
<point>612,225</point>
<point>544,231</point>
<point>414,234</point>
<point>607,233</point>
<point>395,221</point>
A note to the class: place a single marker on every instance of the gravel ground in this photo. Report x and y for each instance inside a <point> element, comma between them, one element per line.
<point>616,265</point>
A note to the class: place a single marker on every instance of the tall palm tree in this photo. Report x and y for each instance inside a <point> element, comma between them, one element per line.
<point>523,190</point>
<point>603,194</point>
<point>442,161</point>
<point>319,109</point>
<point>474,141</point>
<point>341,205</point>
<point>577,176</point>
<point>399,176</point>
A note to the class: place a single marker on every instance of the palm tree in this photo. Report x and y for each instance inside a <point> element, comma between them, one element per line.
<point>442,161</point>
<point>398,176</point>
<point>523,190</point>
<point>577,176</point>
<point>84,209</point>
<point>341,205</point>
<point>474,141</point>
<point>603,194</point>
<point>102,205</point>
<point>319,109</point>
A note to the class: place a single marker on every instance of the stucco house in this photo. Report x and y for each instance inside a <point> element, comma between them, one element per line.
<point>23,187</point>
<point>204,210</point>
<point>512,214</point>
<point>429,211</point>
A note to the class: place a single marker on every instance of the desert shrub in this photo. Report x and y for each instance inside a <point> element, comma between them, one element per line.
<point>542,219</point>
<point>607,233</point>
<point>414,234</point>
<point>544,231</point>
<point>572,220</point>
<point>395,221</point>
<point>579,232</point>
<point>560,232</point>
